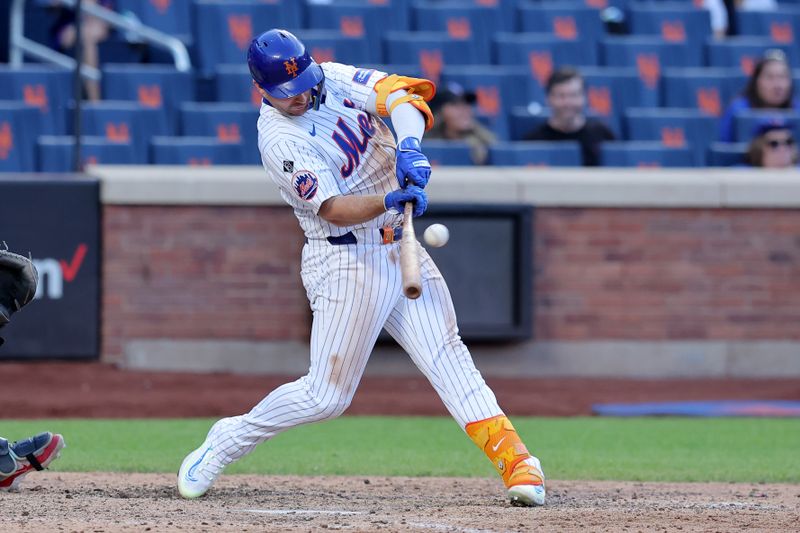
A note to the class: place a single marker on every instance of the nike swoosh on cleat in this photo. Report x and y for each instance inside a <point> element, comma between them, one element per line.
<point>494,448</point>
<point>190,473</point>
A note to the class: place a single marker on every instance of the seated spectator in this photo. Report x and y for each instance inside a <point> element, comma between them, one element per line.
<point>567,122</point>
<point>454,119</point>
<point>93,32</point>
<point>723,13</point>
<point>769,87</point>
<point>773,145</point>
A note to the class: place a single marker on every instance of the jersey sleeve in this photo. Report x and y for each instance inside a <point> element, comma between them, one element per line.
<point>300,172</point>
<point>355,84</point>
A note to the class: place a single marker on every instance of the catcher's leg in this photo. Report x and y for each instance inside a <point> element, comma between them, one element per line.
<point>426,328</point>
<point>348,314</point>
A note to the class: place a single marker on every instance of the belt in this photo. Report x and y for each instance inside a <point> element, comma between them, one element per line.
<point>388,235</point>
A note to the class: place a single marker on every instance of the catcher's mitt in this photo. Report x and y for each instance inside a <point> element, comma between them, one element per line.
<point>18,280</point>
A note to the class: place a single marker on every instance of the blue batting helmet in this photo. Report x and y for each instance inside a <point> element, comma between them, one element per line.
<point>281,65</point>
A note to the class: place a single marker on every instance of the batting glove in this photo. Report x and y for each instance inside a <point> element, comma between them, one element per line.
<point>395,201</point>
<point>412,166</point>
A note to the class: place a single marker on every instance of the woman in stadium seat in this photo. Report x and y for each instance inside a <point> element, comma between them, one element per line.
<point>455,120</point>
<point>769,87</point>
<point>773,145</point>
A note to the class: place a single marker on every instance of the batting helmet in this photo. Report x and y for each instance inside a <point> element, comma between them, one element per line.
<point>281,65</point>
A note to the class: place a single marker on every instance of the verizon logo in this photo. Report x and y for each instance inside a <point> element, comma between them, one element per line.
<point>54,272</point>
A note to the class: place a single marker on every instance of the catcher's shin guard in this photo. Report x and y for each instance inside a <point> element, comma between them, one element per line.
<point>500,442</point>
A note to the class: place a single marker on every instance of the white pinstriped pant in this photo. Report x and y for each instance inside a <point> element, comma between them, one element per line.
<point>354,291</point>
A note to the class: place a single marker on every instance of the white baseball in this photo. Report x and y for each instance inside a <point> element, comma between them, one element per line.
<point>436,235</point>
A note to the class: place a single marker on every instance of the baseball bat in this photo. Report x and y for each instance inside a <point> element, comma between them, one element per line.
<point>409,257</point>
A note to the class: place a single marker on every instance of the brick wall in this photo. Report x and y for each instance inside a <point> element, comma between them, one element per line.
<point>643,274</point>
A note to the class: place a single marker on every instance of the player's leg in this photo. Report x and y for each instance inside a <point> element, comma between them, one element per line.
<point>426,328</point>
<point>347,289</point>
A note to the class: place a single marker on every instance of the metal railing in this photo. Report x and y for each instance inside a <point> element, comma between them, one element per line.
<point>19,45</point>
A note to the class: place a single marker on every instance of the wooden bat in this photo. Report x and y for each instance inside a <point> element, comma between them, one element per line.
<point>409,257</point>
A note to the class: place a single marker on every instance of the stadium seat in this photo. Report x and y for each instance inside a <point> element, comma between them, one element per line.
<point>644,154</point>
<point>227,122</point>
<point>744,52</point>
<point>153,86</point>
<point>195,151</point>
<point>471,25</point>
<point>781,25</point>
<point>172,17</point>
<point>727,154</point>
<point>745,122</point>
<point>675,128</point>
<point>233,83</point>
<point>609,91</point>
<point>20,125</point>
<point>330,45</point>
<point>536,153</point>
<point>56,153</point>
<point>229,25</point>
<point>447,153</point>
<point>674,23</point>
<point>47,89</point>
<point>706,89</point>
<point>432,51</point>
<point>569,21</point>
<point>541,55</point>
<point>524,119</point>
<point>124,122</point>
<point>351,19</point>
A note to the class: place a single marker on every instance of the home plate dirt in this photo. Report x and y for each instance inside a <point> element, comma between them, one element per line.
<point>102,502</point>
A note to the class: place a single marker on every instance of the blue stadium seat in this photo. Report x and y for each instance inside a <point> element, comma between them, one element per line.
<point>20,125</point>
<point>124,122</point>
<point>609,91</point>
<point>674,23</point>
<point>47,89</point>
<point>56,152</point>
<point>569,21</point>
<point>643,154</point>
<point>524,119</point>
<point>330,45</point>
<point>541,55</point>
<point>677,128</point>
<point>447,153</point>
<point>536,153</point>
<point>357,20</point>
<point>228,26</point>
<point>227,122</point>
<point>781,25</point>
<point>727,154</point>
<point>432,51</point>
<point>172,17</point>
<point>471,25</point>
<point>744,52</point>
<point>745,122</point>
<point>194,151</point>
<point>233,83</point>
<point>153,86</point>
<point>706,89</point>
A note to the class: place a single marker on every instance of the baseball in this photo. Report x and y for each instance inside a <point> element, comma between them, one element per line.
<point>436,235</point>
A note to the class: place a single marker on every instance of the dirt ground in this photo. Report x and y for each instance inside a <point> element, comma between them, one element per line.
<point>36,390</point>
<point>149,502</point>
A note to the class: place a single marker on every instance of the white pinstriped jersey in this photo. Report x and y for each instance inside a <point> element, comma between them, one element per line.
<point>338,149</point>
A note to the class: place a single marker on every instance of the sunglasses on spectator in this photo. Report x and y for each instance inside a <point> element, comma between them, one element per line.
<point>775,143</point>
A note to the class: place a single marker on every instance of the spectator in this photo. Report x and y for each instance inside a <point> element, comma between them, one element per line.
<point>93,32</point>
<point>567,122</point>
<point>723,13</point>
<point>773,145</point>
<point>454,119</point>
<point>769,87</point>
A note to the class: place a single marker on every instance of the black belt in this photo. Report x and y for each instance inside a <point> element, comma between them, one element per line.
<point>387,234</point>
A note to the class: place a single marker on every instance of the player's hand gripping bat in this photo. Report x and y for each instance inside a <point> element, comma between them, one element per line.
<point>409,256</point>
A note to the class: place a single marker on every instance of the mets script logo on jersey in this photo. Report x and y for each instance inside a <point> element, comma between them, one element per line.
<point>351,144</point>
<point>363,75</point>
<point>291,67</point>
<point>305,183</point>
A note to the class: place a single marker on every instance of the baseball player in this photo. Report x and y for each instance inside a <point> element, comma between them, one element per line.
<point>337,164</point>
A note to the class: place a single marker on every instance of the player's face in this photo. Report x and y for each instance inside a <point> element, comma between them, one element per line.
<point>567,99</point>
<point>294,106</point>
<point>774,83</point>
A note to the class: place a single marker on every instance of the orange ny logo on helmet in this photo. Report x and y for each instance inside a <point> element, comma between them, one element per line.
<point>291,67</point>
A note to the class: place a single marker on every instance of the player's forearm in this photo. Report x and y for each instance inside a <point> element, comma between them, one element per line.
<point>351,210</point>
